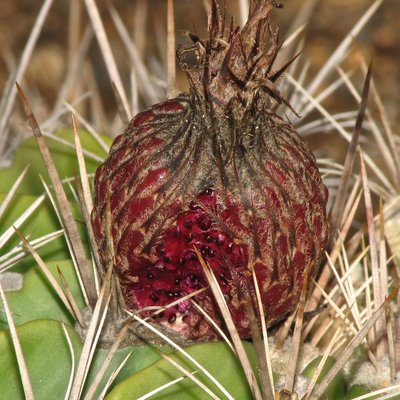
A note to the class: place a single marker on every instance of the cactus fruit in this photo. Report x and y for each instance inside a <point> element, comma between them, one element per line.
<point>217,170</point>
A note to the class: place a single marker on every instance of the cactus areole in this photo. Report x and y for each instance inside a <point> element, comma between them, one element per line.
<point>214,169</point>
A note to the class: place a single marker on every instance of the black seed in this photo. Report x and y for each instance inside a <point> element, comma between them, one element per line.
<point>172,318</point>
<point>176,293</point>
<point>208,238</point>
<point>154,297</point>
<point>161,314</point>
<point>150,276</point>
<point>188,224</point>
<point>189,237</point>
<point>207,251</point>
<point>205,223</point>
<point>209,191</point>
<point>178,280</point>
<point>194,206</point>
<point>170,294</point>
<point>167,259</point>
<point>193,278</point>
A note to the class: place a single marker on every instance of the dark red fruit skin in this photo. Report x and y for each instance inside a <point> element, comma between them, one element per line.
<point>226,176</point>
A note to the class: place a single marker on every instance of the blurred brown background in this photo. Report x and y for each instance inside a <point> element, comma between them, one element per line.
<point>330,22</point>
